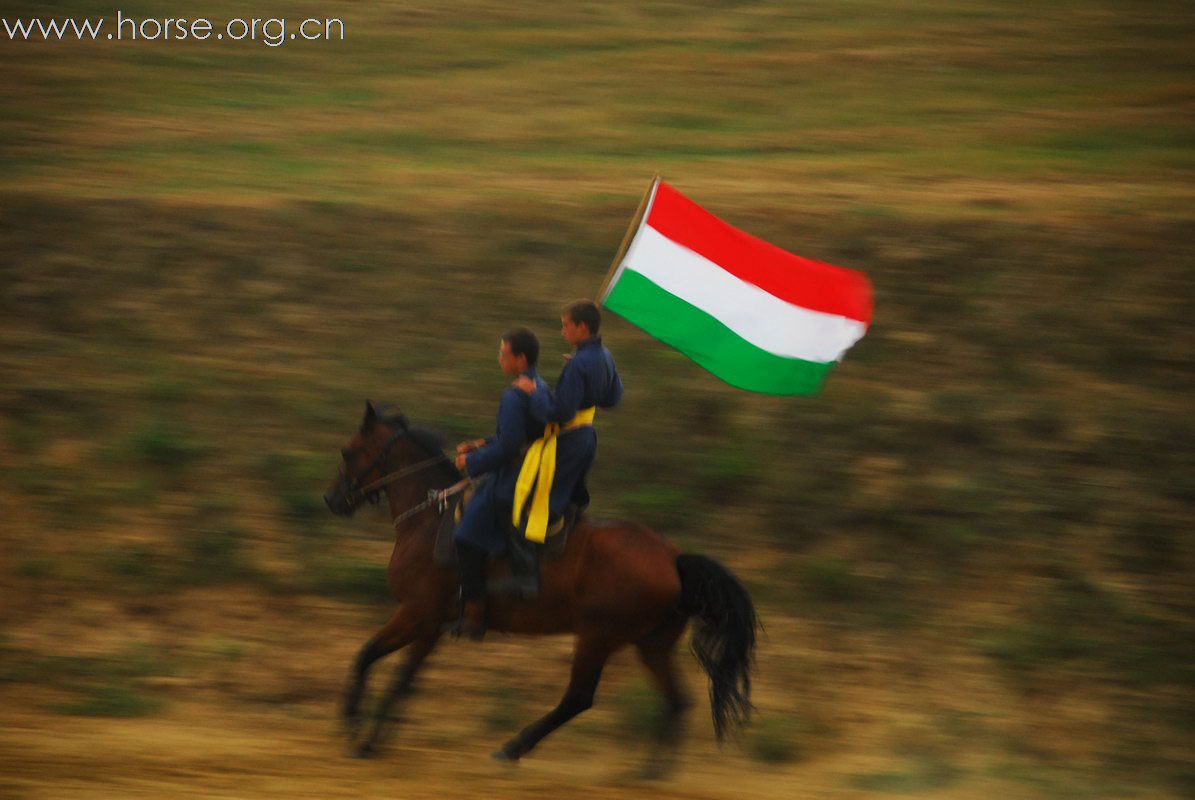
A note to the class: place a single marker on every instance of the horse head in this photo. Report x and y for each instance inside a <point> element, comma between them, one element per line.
<point>386,448</point>
<point>364,460</point>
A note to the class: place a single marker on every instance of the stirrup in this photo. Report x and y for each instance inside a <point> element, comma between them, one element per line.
<point>473,629</point>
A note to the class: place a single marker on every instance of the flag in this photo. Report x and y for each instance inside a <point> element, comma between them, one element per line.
<point>754,315</point>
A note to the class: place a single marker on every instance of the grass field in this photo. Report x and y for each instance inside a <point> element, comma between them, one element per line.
<point>972,552</point>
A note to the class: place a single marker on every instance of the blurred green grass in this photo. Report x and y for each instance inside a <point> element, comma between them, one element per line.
<point>431,105</point>
<point>113,685</point>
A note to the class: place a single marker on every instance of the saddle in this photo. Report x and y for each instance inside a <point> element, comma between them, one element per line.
<point>522,554</point>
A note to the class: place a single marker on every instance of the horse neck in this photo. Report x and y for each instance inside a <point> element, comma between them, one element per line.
<point>406,493</point>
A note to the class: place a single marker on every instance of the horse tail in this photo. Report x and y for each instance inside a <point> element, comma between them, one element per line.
<point>723,638</point>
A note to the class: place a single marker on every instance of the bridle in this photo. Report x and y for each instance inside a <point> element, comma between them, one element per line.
<point>357,494</point>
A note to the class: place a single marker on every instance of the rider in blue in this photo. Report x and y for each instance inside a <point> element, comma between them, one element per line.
<point>589,380</point>
<point>481,531</point>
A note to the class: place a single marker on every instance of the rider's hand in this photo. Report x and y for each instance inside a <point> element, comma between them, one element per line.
<point>524,384</point>
<point>469,447</point>
<point>460,462</point>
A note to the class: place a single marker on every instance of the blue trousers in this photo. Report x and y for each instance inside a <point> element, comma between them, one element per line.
<point>575,452</point>
<point>486,518</point>
<point>481,524</point>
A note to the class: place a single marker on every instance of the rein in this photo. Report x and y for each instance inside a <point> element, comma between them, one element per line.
<point>437,497</point>
<point>402,473</point>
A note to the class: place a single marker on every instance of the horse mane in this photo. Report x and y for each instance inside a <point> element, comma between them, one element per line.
<point>429,440</point>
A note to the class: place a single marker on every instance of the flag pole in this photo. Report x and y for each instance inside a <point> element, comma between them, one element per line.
<point>626,239</point>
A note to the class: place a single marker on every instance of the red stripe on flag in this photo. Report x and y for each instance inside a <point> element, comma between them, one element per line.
<point>793,279</point>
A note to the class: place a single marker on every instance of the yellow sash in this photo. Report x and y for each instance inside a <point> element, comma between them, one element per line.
<point>538,472</point>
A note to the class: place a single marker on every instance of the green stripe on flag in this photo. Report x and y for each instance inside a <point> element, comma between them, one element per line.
<point>707,341</point>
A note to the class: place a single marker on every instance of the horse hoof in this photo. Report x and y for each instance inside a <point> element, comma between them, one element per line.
<point>504,756</point>
<point>659,768</point>
<point>653,772</point>
<point>362,750</point>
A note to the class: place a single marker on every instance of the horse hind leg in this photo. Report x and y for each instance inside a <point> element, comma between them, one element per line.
<point>588,660</point>
<point>656,651</point>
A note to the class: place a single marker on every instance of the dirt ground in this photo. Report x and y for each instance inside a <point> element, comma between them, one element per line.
<point>258,731</point>
<point>249,702</point>
<point>220,751</point>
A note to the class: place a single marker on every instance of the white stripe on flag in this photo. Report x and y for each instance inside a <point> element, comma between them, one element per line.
<point>762,319</point>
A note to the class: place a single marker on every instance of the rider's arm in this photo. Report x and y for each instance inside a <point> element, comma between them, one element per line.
<point>504,446</point>
<point>614,392</point>
<point>562,404</point>
<point>473,444</point>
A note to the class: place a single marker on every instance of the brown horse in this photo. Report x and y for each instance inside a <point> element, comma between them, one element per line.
<point>615,584</point>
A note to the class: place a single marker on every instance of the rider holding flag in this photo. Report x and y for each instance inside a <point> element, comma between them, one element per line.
<point>588,381</point>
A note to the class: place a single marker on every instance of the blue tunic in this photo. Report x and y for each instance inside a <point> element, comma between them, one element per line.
<point>487,515</point>
<point>588,379</point>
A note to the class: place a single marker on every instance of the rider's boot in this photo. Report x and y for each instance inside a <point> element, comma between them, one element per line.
<point>471,563</point>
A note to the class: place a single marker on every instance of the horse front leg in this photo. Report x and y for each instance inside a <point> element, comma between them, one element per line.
<point>399,689</point>
<point>397,633</point>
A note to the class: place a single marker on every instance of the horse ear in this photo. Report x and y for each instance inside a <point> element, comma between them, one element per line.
<point>371,416</point>
<point>395,416</point>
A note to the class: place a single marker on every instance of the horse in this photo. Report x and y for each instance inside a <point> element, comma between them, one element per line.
<point>616,584</point>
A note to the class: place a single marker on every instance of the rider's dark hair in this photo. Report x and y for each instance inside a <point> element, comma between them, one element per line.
<point>584,311</point>
<point>523,343</point>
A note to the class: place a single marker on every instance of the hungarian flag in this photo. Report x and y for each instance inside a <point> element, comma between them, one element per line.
<point>758,317</point>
